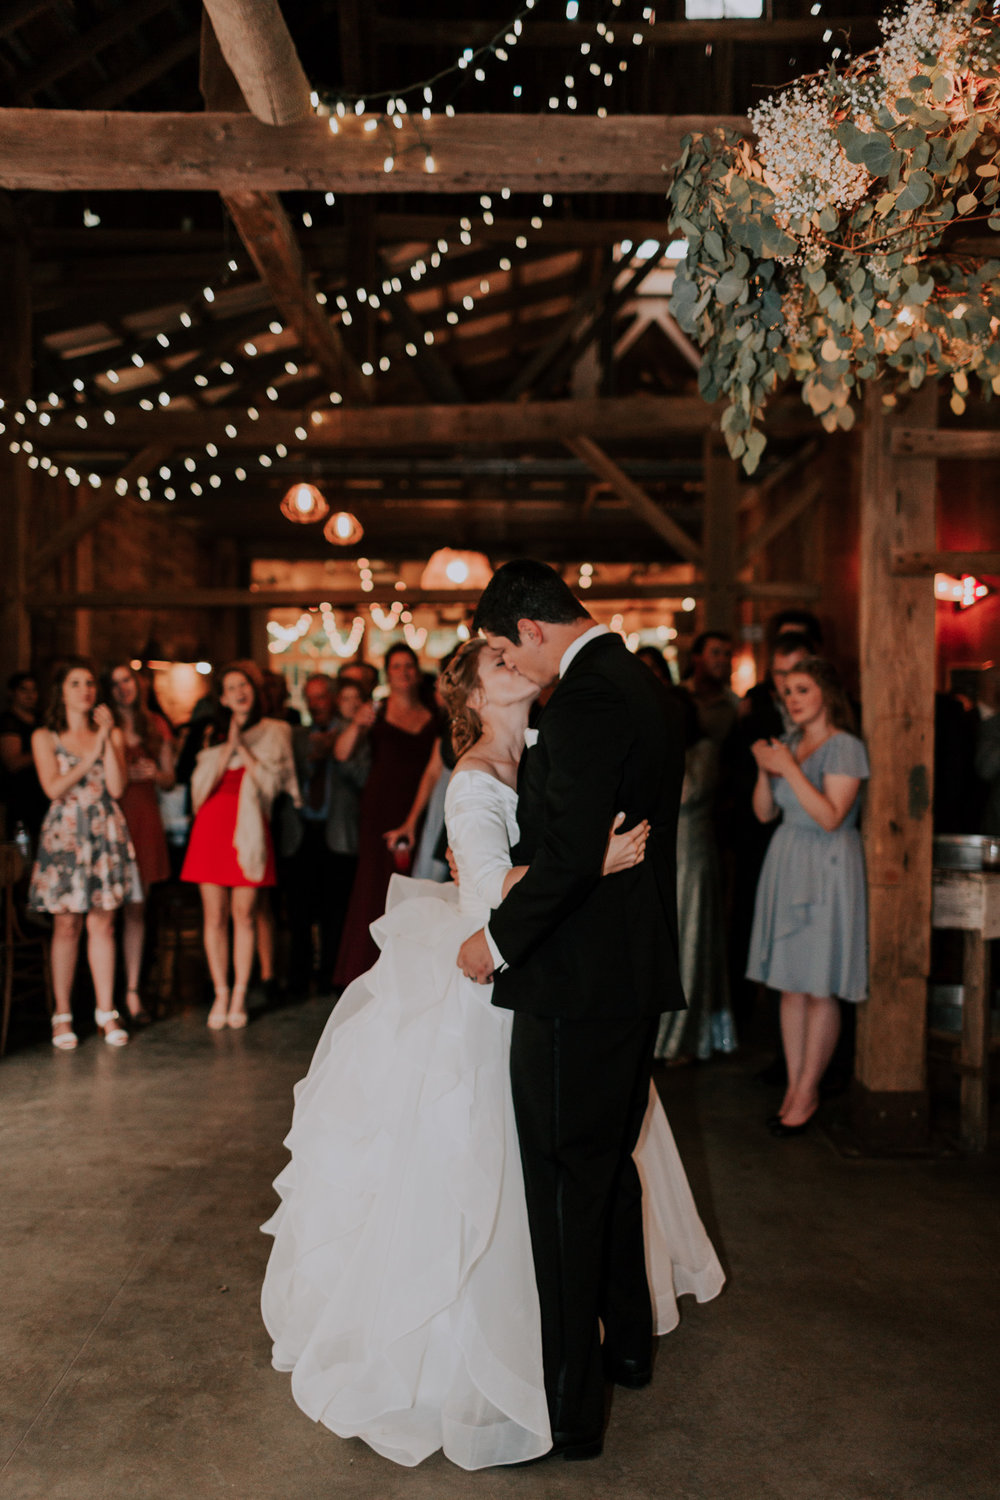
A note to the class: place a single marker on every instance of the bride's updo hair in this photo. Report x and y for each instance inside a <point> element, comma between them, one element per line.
<point>456,685</point>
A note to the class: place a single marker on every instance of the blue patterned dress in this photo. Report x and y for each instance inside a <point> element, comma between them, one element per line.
<point>810,925</point>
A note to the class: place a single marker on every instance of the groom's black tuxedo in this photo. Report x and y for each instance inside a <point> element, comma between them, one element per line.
<point>592,962</point>
<point>578,946</point>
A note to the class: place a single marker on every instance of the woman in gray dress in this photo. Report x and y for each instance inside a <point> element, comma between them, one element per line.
<point>809,936</point>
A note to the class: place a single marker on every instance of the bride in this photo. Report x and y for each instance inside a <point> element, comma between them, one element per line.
<point>400,1290</point>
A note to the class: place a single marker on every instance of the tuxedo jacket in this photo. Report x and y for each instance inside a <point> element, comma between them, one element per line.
<point>579,945</point>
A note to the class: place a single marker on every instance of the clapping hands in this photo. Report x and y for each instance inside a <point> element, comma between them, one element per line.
<point>773,756</point>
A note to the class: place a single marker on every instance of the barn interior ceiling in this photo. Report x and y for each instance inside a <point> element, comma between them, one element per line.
<point>462,347</point>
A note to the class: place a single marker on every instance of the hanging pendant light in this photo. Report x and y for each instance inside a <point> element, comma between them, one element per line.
<point>343,529</point>
<point>451,569</point>
<point>304,503</point>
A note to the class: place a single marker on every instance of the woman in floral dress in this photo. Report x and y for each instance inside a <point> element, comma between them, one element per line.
<point>86,867</point>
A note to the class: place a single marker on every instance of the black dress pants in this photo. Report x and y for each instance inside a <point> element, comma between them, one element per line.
<point>317,883</point>
<point>580,1093</point>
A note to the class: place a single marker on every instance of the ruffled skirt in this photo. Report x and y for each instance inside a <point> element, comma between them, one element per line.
<point>400,1290</point>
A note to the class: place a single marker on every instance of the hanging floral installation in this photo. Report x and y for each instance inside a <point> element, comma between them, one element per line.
<point>819,250</point>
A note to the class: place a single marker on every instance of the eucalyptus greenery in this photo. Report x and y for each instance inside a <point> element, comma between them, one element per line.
<point>815,249</point>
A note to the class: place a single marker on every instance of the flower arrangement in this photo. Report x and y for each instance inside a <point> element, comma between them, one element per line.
<point>815,250</point>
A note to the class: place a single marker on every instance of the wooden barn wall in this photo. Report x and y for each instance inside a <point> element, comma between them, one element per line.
<point>968,519</point>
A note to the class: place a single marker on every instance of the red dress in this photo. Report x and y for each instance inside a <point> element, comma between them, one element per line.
<point>141,807</point>
<point>398,762</point>
<point>211,855</point>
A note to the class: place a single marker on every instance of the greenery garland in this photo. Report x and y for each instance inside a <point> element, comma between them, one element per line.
<point>815,251</point>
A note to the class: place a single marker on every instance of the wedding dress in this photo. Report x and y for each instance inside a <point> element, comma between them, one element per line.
<point>399,1291</point>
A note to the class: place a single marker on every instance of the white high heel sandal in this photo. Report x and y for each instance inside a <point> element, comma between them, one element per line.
<point>115,1038</point>
<point>65,1041</point>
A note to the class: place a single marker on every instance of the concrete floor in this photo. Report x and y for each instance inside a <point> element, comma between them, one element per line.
<point>853,1355</point>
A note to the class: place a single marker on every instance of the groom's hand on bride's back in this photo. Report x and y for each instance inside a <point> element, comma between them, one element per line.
<point>475,959</point>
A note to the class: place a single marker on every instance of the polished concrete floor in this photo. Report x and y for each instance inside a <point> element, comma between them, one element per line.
<point>853,1355</point>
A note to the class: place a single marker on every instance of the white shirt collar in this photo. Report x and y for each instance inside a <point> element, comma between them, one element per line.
<point>576,646</point>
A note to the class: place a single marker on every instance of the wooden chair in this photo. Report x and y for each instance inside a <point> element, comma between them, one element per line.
<point>23,958</point>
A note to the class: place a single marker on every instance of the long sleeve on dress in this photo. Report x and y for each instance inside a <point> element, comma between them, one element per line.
<point>479,836</point>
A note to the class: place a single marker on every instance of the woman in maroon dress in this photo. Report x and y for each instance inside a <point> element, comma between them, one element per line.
<point>403,733</point>
<point>149,766</point>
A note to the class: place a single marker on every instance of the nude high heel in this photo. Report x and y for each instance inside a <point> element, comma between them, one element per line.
<point>217,1015</point>
<point>237,1017</point>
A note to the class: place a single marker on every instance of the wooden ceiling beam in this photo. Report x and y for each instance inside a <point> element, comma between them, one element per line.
<point>119,24</point>
<point>636,498</point>
<point>18,13</point>
<point>454,35</point>
<point>489,423</point>
<point>65,150</point>
<point>105,501</point>
<point>267,233</point>
<point>275,598</point>
<point>163,60</point>
<point>248,44</point>
<point>261,56</point>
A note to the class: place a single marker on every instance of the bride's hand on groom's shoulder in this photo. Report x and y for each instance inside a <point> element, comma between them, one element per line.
<point>625,850</point>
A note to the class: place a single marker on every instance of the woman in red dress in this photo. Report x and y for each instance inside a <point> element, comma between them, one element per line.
<point>149,767</point>
<point>237,776</point>
<point>403,733</point>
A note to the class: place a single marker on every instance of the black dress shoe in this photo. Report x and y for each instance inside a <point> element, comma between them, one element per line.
<point>633,1374</point>
<point>781,1131</point>
<point>575,1446</point>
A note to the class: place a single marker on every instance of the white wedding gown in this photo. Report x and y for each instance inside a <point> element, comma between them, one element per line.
<point>400,1291</point>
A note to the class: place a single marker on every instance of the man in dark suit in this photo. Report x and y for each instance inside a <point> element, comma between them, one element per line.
<point>318,842</point>
<point>587,965</point>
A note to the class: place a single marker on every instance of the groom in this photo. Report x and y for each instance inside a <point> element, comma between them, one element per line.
<point>586,964</point>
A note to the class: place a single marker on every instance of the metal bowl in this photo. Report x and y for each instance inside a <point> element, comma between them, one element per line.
<point>961,851</point>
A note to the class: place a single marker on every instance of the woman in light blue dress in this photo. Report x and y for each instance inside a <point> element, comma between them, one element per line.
<point>809,936</point>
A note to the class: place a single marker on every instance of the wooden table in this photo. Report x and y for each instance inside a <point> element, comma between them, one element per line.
<point>969,900</point>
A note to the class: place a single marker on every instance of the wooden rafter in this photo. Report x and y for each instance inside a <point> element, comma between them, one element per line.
<point>945,442</point>
<point>926,564</point>
<point>779,522</point>
<point>635,497</point>
<point>653,417</point>
<point>270,598</point>
<point>86,46</point>
<point>249,46</point>
<point>404,31</point>
<point>261,56</point>
<point>63,150</point>
<point>105,501</point>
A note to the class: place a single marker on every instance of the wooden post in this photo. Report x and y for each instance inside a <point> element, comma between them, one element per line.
<point>897,697</point>
<point>15,478</point>
<point>720,538</point>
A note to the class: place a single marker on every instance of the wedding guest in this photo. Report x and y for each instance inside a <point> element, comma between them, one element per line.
<point>236,778</point>
<point>149,764</point>
<point>809,935</point>
<point>711,667</point>
<point>402,733</point>
<point>275,699</point>
<point>707,1024</point>
<point>763,716</point>
<point>85,869</point>
<point>22,791</point>
<point>319,840</point>
<point>364,673</point>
